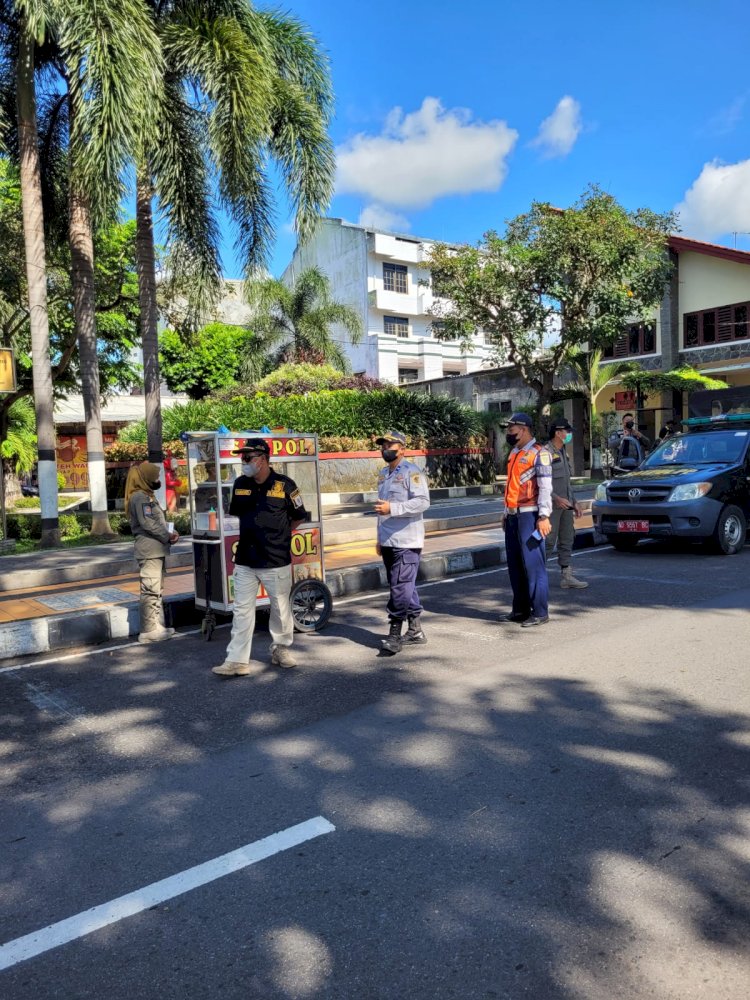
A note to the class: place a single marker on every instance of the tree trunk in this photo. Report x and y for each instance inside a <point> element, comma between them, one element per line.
<point>84,307</point>
<point>146,263</point>
<point>36,273</point>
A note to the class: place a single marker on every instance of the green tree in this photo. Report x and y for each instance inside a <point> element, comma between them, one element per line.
<point>590,377</point>
<point>557,281</point>
<point>298,320</point>
<point>213,359</point>
<point>242,89</point>
<point>18,446</point>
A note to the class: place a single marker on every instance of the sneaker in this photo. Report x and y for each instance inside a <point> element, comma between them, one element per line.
<point>231,668</point>
<point>514,617</point>
<point>281,656</point>
<point>531,622</point>
<point>156,635</point>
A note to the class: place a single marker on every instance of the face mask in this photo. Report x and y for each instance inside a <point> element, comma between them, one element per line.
<point>156,485</point>
<point>568,438</point>
<point>250,469</point>
<point>389,454</point>
<point>511,439</point>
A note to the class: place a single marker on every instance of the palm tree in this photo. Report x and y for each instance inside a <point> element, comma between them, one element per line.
<point>263,95</point>
<point>591,377</point>
<point>31,27</point>
<point>299,319</point>
<point>110,62</point>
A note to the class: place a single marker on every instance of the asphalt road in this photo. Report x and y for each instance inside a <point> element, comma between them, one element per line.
<point>560,813</point>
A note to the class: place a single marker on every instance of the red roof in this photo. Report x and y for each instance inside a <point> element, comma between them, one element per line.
<point>681,244</point>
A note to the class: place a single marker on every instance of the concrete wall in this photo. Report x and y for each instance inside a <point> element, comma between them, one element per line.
<point>348,474</point>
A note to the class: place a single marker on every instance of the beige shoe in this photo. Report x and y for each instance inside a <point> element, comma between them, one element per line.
<point>281,656</point>
<point>568,581</point>
<point>157,634</point>
<point>234,669</point>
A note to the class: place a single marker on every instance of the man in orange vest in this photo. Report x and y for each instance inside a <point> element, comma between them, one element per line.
<point>528,505</point>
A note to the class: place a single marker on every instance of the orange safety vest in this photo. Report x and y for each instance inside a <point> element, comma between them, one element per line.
<point>521,489</point>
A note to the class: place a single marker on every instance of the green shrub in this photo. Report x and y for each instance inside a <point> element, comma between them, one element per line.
<point>129,449</point>
<point>26,503</point>
<point>24,526</point>
<point>181,523</point>
<point>438,421</point>
<point>61,482</point>
<point>70,526</point>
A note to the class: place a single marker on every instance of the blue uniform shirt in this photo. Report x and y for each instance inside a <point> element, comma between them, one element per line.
<point>405,488</point>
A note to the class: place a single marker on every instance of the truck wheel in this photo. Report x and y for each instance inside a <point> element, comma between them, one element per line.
<point>622,543</point>
<point>311,605</point>
<point>730,532</point>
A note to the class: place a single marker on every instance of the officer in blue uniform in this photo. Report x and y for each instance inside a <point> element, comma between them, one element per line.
<point>403,497</point>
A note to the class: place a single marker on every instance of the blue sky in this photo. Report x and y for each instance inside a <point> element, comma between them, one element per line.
<point>650,100</point>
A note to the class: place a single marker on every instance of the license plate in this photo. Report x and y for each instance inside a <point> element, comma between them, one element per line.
<point>640,526</point>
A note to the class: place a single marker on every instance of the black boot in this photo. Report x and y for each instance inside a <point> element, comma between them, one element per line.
<point>392,644</point>
<point>414,633</point>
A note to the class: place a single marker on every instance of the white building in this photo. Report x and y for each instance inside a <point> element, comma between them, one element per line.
<point>385,278</point>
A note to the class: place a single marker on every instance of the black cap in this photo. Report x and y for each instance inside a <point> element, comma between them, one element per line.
<point>561,424</point>
<point>253,444</point>
<point>392,437</point>
<point>521,418</point>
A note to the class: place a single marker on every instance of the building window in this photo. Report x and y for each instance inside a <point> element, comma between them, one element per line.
<point>437,328</point>
<point>500,406</point>
<point>395,278</point>
<point>716,326</point>
<point>397,326</point>
<point>408,375</point>
<point>639,338</point>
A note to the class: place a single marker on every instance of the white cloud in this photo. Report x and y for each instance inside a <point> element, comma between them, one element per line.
<point>558,133</point>
<point>425,155</point>
<point>380,217</point>
<point>718,201</point>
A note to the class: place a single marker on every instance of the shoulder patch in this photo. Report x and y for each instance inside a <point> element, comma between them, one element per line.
<point>296,498</point>
<point>544,457</point>
<point>148,509</point>
<point>416,478</point>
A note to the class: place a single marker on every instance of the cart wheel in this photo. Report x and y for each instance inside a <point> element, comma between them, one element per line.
<point>311,605</point>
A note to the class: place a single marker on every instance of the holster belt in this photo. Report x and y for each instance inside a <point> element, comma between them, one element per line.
<point>521,510</point>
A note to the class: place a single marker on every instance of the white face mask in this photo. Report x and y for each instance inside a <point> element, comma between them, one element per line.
<point>250,469</point>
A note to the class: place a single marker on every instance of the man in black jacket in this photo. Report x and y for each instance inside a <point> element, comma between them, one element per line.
<point>269,508</point>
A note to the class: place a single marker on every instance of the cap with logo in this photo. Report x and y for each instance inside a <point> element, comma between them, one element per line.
<point>560,425</point>
<point>523,419</point>
<point>392,437</point>
<point>253,444</point>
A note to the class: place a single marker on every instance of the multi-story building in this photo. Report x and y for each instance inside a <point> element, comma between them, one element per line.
<point>703,321</point>
<point>385,278</point>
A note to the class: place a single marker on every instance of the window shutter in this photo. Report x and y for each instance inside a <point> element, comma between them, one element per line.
<point>725,324</point>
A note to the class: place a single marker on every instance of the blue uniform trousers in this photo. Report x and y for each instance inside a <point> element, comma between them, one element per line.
<point>401,567</point>
<point>527,565</point>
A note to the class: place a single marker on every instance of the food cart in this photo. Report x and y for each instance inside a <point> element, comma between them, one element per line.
<point>212,470</point>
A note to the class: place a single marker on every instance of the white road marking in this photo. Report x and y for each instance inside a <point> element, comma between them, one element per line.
<point>81,924</point>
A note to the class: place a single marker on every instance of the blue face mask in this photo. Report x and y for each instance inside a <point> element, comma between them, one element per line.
<point>568,438</point>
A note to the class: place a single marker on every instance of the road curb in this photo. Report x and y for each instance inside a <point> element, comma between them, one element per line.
<point>119,621</point>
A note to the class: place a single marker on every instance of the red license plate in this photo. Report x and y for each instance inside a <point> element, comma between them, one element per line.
<point>640,526</point>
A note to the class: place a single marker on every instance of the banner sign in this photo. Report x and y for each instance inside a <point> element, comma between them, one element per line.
<point>307,561</point>
<point>292,447</point>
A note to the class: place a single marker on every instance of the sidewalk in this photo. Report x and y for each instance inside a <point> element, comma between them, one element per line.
<point>89,608</point>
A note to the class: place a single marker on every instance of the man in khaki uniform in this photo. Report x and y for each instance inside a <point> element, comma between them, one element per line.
<point>565,507</point>
<point>152,541</point>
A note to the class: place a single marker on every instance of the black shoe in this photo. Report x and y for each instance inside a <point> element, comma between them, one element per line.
<point>514,617</point>
<point>393,643</point>
<point>414,633</point>
<point>530,622</point>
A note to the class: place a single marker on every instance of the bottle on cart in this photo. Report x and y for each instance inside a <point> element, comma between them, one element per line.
<point>212,520</point>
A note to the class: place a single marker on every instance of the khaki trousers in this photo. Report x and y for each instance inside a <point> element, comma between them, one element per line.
<point>278,585</point>
<point>152,572</point>
<point>563,535</point>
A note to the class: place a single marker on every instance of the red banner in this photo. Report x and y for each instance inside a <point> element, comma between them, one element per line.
<point>281,447</point>
<point>72,461</point>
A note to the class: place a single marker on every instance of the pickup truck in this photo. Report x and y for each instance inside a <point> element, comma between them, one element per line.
<point>695,485</point>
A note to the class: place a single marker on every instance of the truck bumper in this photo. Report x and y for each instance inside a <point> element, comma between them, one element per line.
<point>690,519</point>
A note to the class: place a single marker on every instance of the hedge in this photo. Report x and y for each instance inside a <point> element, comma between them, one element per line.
<point>29,526</point>
<point>435,421</point>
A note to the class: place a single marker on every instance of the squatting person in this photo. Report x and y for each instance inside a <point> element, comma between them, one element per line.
<point>269,507</point>
<point>528,504</point>
<point>403,498</point>
<point>152,541</point>
<point>565,507</point>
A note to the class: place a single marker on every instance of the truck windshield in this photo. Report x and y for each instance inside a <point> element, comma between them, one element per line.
<point>714,447</point>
